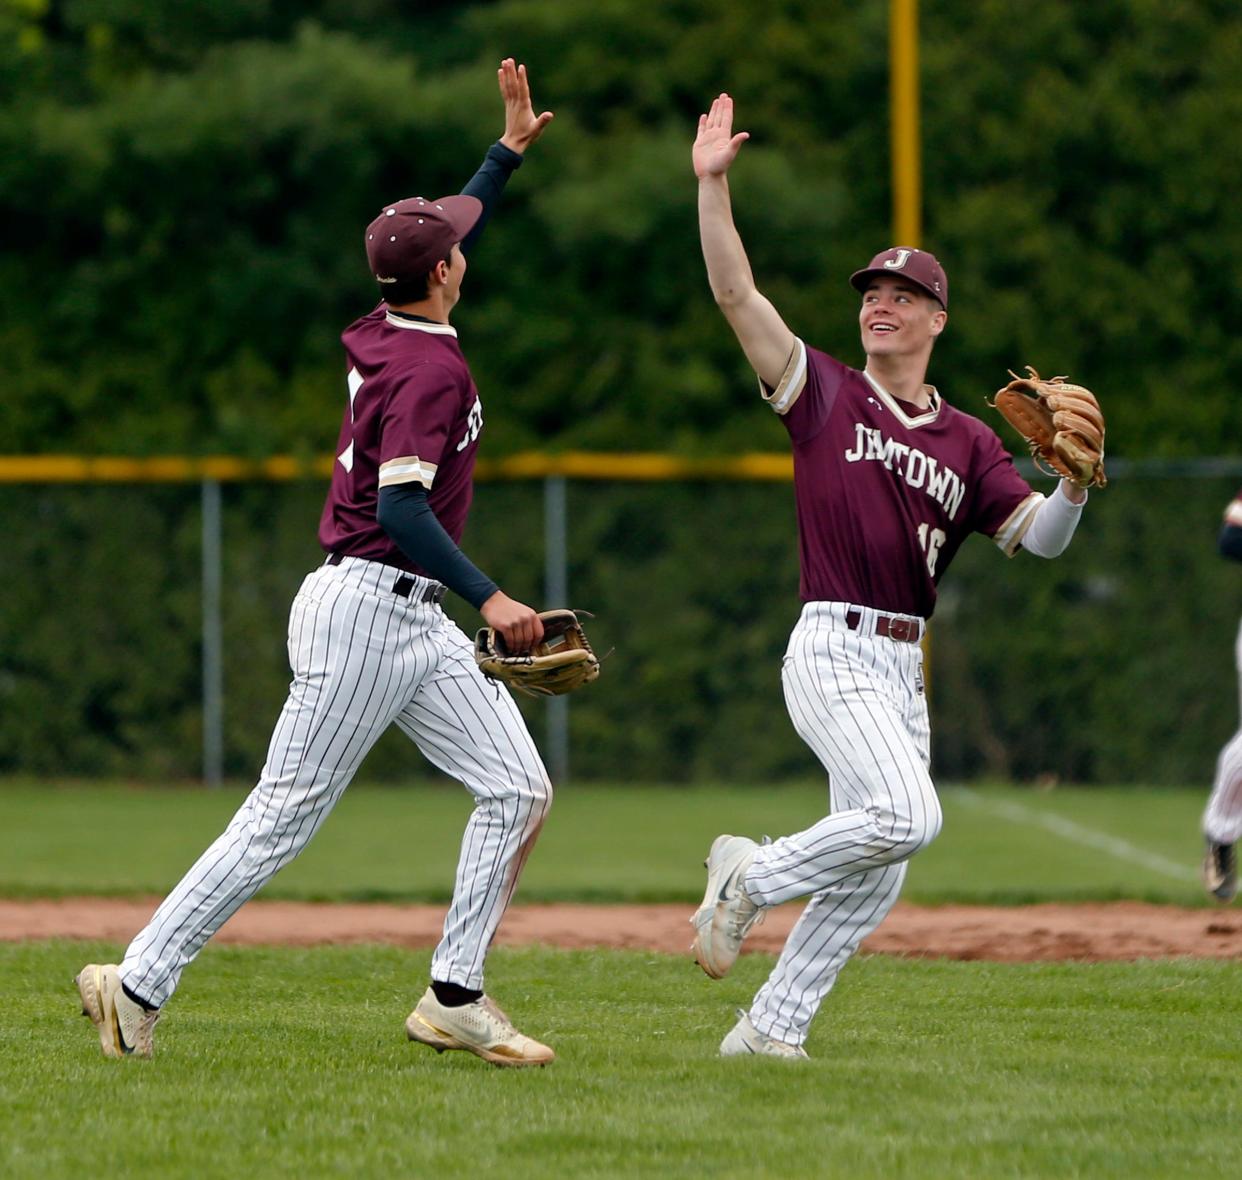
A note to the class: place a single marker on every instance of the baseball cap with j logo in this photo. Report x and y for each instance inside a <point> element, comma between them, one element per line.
<point>918,266</point>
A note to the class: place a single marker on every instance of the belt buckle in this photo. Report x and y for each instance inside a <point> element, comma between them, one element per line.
<point>902,630</point>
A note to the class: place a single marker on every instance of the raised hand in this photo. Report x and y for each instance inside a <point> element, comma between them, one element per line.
<point>522,125</point>
<point>715,146</point>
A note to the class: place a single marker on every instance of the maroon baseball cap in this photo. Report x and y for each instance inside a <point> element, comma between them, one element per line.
<point>918,266</point>
<point>409,237</point>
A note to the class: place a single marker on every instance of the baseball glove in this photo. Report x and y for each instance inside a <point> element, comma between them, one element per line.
<point>560,662</point>
<point>1062,424</point>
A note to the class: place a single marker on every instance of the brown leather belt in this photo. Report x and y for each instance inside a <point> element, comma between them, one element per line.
<point>900,628</point>
<point>404,586</point>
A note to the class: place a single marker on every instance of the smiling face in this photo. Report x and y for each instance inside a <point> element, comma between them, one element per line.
<point>898,318</point>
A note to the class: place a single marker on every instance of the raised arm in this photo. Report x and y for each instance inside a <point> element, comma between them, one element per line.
<point>765,338</point>
<point>522,128</point>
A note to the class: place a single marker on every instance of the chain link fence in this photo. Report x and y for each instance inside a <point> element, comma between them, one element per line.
<point>1113,664</point>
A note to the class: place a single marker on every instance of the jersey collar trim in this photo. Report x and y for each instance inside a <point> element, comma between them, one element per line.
<point>893,404</point>
<point>400,321</point>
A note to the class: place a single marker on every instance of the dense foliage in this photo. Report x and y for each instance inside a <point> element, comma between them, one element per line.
<point>183,188</point>
<point>182,194</point>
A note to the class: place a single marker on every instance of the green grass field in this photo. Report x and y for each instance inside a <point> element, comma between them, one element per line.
<point>600,844</point>
<point>284,1063</point>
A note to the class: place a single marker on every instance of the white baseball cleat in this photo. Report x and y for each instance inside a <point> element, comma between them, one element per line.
<point>727,913</point>
<point>745,1039</point>
<point>1220,871</point>
<point>480,1028</point>
<point>126,1028</point>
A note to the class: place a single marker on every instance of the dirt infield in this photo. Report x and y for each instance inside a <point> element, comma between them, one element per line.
<point>1038,933</point>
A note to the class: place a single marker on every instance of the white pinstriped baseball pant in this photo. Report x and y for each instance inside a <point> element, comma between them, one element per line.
<point>857,700</point>
<point>364,657</point>
<point>1222,819</point>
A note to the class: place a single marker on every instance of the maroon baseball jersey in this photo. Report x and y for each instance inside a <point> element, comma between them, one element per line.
<point>886,491</point>
<point>414,416</point>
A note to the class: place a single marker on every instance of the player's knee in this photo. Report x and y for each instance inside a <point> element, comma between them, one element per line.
<point>913,829</point>
<point>539,794</point>
<point>521,807</point>
<point>530,792</point>
<point>933,821</point>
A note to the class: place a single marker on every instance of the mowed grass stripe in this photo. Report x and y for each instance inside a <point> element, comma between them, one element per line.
<point>283,1063</point>
<point>622,843</point>
<point>1025,815</point>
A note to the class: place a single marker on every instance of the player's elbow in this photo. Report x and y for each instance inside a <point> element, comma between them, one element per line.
<point>730,294</point>
<point>1053,525</point>
<point>1045,549</point>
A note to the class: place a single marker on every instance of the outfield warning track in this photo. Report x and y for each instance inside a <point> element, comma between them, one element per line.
<point>1090,932</point>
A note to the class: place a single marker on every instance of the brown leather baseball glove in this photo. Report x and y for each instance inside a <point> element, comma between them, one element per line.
<point>560,662</point>
<point>1062,424</point>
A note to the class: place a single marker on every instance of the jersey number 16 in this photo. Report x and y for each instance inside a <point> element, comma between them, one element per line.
<point>931,539</point>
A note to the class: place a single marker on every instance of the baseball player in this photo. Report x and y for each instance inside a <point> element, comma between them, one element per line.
<point>370,645</point>
<point>889,480</point>
<point>1222,821</point>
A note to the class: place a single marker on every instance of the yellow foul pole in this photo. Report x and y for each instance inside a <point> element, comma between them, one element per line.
<point>903,37</point>
<point>907,165</point>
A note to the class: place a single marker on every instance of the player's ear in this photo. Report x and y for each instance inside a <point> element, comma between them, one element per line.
<point>938,321</point>
<point>441,272</point>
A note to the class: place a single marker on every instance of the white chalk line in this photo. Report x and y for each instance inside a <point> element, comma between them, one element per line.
<point>1076,833</point>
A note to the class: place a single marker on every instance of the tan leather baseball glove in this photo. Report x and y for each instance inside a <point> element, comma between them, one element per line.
<point>560,662</point>
<point>1062,424</point>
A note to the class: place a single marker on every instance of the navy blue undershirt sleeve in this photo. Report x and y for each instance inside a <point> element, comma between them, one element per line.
<point>403,512</point>
<point>406,516</point>
<point>487,184</point>
<point>1229,543</point>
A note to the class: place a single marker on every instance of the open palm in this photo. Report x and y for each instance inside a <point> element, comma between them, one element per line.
<point>522,125</point>
<point>715,146</point>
